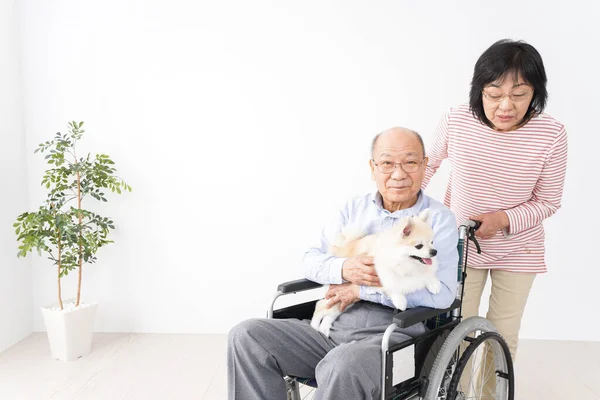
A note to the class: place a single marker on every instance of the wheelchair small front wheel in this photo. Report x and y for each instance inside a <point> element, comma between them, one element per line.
<point>484,371</point>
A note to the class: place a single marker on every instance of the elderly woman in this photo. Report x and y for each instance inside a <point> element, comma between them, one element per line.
<point>508,163</point>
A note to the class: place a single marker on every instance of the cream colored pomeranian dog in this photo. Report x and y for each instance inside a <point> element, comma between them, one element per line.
<point>404,258</point>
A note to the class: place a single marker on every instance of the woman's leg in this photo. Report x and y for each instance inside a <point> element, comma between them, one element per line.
<point>474,285</point>
<point>510,291</point>
<point>508,298</point>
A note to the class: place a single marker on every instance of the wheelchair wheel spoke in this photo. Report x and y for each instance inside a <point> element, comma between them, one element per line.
<point>485,378</point>
<point>475,377</point>
<point>475,368</point>
<point>471,372</point>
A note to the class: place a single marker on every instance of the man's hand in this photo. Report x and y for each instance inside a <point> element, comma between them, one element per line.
<point>346,294</point>
<point>360,270</point>
<point>490,224</point>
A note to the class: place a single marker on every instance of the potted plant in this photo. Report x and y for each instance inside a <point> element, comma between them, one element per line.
<point>69,234</point>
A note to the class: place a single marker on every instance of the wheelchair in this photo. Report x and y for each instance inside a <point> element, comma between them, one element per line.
<point>448,362</point>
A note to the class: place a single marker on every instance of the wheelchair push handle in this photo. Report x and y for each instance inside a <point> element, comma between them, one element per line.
<point>474,225</point>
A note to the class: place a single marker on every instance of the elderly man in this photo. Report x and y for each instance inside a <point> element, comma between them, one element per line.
<point>347,364</point>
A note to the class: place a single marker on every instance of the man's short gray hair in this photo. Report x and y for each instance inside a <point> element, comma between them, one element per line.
<point>374,142</point>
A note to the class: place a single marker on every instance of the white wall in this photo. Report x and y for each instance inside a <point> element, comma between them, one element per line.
<point>15,275</point>
<point>292,92</point>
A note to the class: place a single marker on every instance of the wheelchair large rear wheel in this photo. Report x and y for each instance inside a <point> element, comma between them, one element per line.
<point>447,359</point>
<point>484,371</point>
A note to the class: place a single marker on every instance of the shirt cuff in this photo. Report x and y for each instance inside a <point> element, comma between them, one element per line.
<point>512,223</point>
<point>363,293</point>
<point>335,270</point>
<point>369,293</point>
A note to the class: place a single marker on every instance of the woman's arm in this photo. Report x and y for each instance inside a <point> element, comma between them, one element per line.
<point>547,193</point>
<point>438,151</point>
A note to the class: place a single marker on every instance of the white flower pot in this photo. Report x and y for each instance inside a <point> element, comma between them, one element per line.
<point>70,330</point>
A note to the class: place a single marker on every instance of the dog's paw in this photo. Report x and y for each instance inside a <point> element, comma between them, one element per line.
<point>317,317</point>
<point>400,302</point>
<point>434,287</point>
<point>315,323</point>
<point>325,326</point>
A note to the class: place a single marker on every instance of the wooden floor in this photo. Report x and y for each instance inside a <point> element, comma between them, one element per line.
<point>165,366</point>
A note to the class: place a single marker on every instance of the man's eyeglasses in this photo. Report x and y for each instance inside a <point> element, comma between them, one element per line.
<point>515,97</point>
<point>387,167</point>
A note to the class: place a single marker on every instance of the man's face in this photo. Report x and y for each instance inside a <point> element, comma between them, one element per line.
<point>398,188</point>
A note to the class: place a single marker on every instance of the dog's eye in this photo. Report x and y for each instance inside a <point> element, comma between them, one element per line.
<point>419,246</point>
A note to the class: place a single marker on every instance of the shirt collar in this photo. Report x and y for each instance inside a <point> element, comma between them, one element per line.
<point>377,199</point>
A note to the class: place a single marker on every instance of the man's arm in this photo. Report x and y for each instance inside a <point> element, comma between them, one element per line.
<point>445,241</point>
<point>319,265</point>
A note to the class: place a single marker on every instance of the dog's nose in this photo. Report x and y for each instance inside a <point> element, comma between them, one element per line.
<point>433,252</point>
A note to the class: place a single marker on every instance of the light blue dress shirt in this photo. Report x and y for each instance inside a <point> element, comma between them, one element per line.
<point>367,213</point>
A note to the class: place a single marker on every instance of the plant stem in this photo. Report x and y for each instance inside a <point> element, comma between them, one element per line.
<point>58,263</point>
<point>80,241</point>
<point>59,293</point>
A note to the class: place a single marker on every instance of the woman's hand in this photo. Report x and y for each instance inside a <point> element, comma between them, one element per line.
<point>490,224</point>
<point>346,294</point>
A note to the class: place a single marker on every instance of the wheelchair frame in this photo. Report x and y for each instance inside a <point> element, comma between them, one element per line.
<point>436,352</point>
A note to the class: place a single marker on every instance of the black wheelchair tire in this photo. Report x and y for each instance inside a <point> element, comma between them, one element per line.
<point>464,359</point>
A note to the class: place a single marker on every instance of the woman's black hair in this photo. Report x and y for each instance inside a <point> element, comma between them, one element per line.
<point>497,62</point>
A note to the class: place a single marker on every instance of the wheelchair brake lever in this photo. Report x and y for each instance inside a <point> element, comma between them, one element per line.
<point>472,238</point>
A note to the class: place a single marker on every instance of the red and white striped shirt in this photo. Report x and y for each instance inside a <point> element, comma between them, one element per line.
<point>521,172</point>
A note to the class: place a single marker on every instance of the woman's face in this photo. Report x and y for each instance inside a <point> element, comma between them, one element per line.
<point>506,101</point>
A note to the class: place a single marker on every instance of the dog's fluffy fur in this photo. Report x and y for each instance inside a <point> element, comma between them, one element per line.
<point>404,258</point>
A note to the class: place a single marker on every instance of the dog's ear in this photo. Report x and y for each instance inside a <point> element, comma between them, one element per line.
<point>425,216</point>
<point>408,227</point>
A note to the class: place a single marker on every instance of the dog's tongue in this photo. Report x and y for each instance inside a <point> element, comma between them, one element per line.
<point>427,261</point>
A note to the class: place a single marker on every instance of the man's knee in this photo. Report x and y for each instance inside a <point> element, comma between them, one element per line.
<point>243,331</point>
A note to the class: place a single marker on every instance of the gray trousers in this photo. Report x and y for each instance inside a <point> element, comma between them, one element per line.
<point>347,365</point>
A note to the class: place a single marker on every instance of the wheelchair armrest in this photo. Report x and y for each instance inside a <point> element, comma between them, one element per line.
<point>297,286</point>
<point>407,318</point>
